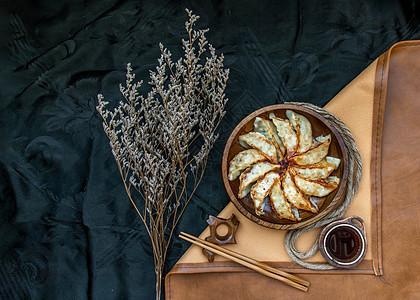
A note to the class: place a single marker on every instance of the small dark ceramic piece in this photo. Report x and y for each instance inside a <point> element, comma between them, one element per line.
<point>215,237</point>
<point>343,243</point>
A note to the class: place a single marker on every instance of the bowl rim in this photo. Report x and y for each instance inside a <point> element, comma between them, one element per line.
<point>341,192</point>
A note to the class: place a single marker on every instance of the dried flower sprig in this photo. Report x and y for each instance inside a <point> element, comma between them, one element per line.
<point>161,141</point>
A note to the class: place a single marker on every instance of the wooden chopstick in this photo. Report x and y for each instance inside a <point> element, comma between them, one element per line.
<point>251,260</point>
<point>257,266</point>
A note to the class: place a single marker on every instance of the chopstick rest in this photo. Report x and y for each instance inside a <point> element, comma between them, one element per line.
<point>215,237</point>
<point>289,279</point>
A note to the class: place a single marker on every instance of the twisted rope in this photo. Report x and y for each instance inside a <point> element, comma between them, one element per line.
<point>355,175</point>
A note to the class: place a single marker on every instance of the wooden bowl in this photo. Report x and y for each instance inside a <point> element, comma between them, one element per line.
<point>320,126</point>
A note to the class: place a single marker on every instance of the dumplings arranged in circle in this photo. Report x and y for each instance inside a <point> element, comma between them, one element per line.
<point>284,164</point>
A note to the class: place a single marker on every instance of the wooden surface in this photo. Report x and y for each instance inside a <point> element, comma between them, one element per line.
<point>320,126</point>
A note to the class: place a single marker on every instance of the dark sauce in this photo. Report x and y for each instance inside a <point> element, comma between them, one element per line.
<point>343,244</point>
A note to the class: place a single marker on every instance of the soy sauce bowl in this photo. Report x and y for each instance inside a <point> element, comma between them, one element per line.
<point>343,243</point>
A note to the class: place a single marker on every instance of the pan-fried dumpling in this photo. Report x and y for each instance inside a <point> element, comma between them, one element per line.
<point>303,130</point>
<point>243,160</point>
<point>296,197</point>
<point>321,170</point>
<point>257,141</point>
<point>279,204</point>
<point>286,133</point>
<point>333,160</point>
<point>252,174</point>
<point>261,189</point>
<point>316,154</point>
<point>319,188</point>
<point>267,129</point>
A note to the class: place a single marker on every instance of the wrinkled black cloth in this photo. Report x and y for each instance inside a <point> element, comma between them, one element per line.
<point>67,228</point>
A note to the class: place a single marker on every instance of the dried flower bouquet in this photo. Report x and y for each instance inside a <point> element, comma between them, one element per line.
<point>161,141</point>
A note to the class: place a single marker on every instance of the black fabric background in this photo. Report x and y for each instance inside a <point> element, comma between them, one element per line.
<point>67,229</point>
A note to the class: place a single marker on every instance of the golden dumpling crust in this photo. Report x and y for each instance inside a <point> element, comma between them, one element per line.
<point>303,130</point>
<point>252,174</point>
<point>261,189</point>
<point>295,196</point>
<point>267,129</point>
<point>257,141</point>
<point>321,170</point>
<point>314,155</point>
<point>319,187</point>
<point>287,134</point>
<point>243,160</point>
<point>280,205</point>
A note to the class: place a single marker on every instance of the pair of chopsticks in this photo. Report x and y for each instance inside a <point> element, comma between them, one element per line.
<point>248,262</point>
